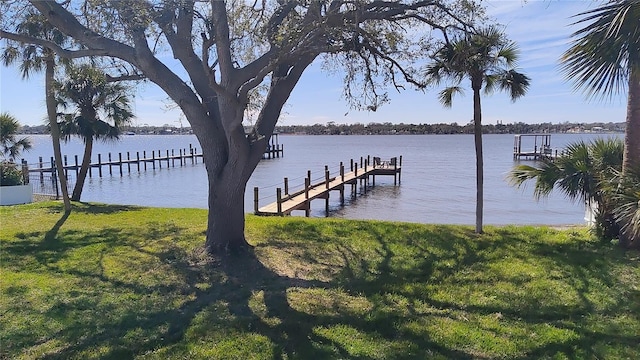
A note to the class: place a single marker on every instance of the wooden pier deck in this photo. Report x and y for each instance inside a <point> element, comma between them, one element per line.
<point>301,200</point>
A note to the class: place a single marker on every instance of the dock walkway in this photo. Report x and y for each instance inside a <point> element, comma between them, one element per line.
<point>301,200</point>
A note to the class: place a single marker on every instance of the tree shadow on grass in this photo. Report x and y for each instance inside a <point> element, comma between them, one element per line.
<point>314,294</point>
<point>51,234</point>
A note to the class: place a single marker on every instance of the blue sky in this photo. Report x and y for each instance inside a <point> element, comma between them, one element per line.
<point>541,29</point>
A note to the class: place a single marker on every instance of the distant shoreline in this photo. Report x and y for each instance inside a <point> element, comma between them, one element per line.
<point>331,128</point>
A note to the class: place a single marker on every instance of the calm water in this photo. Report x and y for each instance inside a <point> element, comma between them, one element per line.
<point>438,177</point>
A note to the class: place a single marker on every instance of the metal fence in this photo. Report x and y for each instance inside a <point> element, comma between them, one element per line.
<point>46,184</point>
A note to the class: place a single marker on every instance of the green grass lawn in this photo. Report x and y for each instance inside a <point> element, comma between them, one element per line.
<point>120,282</point>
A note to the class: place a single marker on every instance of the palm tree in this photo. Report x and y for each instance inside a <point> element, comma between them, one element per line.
<point>627,210</point>
<point>604,57</point>
<point>101,110</point>
<point>11,147</point>
<point>488,60</point>
<point>584,172</point>
<point>36,58</point>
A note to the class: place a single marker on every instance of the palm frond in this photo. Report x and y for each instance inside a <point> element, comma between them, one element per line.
<point>446,96</point>
<point>627,198</point>
<point>604,50</point>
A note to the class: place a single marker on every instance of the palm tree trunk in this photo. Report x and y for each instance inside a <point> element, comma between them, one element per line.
<point>477,131</point>
<point>631,157</point>
<point>84,169</point>
<point>55,130</point>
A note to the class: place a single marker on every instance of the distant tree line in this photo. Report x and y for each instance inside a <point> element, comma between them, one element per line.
<point>386,128</point>
<point>127,129</point>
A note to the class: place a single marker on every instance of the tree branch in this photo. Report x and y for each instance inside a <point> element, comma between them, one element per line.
<point>58,50</point>
<point>132,77</point>
<point>223,44</point>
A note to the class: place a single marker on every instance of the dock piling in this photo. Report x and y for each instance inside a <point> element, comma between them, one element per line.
<point>255,199</point>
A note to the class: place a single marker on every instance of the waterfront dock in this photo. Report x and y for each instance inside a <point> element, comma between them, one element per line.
<point>365,175</point>
<point>274,148</point>
<point>141,161</point>
<point>541,148</point>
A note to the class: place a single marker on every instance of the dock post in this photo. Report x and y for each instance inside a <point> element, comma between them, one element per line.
<point>355,184</point>
<point>366,175</point>
<point>54,178</point>
<point>25,171</point>
<point>279,200</point>
<point>40,165</point>
<point>138,160</point>
<point>75,159</point>
<point>394,162</point>
<point>326,182</point>
<point>181,158</point>
<point>120,163</point>
<point>128,162</point>
<point>309,176</point>
<point>255,200</point>
<point>326,205</point>
<point>100,165</point>
<point>153,159</point>
<point>110,169</point>
<point>64,167</point>
<point>307,183</point>
<point>286,186</point>
<point>361,167</point>
<point>191,152</point>
<point>326,177</point>
<point>159,159</point>
<point>168,158</point>
<point>351,165</point>
<point>400,170</point>
<point>342,185</point>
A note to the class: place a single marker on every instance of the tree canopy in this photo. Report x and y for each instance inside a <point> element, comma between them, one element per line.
<point>222,51</point>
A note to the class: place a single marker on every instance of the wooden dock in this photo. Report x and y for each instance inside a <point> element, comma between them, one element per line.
<point>301,200</point>
<point>541,147</point>
<point>274,149</point>
<point>139,161</point>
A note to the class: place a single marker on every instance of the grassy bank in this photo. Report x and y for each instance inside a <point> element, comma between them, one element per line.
<point>125,282</point>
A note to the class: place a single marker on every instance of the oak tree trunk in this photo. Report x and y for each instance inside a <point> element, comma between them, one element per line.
<point>225,224</point>
<point>229,163</point>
